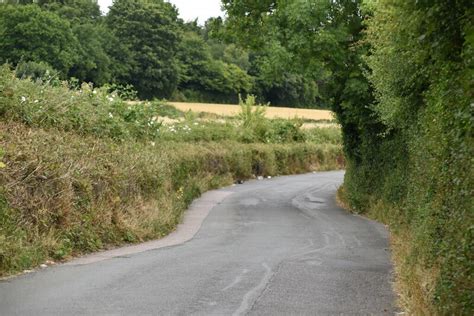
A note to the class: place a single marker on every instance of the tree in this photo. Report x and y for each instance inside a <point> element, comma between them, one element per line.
<point>94,64</point>
<point>76,11</point>
<point>209,79</point>
<point>150,31</point>
<point>313,44</point>
<point>32,34</point>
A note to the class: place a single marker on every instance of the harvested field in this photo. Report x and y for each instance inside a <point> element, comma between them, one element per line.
<point>272,112</point>
<point>320,125</point>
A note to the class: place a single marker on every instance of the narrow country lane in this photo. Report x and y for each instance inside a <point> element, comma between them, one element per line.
<point>273,247</point>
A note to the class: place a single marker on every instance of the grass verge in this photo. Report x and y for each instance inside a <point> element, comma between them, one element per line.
<point>414,283</point>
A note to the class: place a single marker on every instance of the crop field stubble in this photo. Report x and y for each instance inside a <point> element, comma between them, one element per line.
<point>271,112</point>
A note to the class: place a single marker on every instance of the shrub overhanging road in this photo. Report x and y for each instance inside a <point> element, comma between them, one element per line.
<point>277,246</point>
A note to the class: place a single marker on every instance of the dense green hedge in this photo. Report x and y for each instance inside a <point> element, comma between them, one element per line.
<point>412,162</point>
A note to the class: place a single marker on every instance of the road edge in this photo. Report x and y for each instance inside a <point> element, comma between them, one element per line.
<point>185,231</point>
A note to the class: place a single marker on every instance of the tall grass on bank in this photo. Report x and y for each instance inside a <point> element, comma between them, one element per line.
<point>64,194</point>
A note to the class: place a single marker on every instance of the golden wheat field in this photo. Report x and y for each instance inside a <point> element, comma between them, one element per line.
<point>272,112</point>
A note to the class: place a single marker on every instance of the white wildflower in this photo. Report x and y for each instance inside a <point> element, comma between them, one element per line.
<point>94,92</point>
<point>111,115</point>
<point>153,144</point>
<point>110,99</point>
<point>23,99</point>
<point>35,101</point>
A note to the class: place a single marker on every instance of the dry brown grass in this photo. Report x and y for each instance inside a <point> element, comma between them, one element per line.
<point>272,112</point>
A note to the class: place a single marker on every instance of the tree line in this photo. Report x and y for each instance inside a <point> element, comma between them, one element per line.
<point>144,45</point>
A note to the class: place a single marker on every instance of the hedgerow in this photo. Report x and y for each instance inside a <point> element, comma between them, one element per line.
<point>410,153</point>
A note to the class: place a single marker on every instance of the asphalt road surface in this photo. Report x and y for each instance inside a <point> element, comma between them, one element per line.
<point>272,247</point>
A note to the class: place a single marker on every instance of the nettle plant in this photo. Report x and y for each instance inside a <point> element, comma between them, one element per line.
<point>252,119</point>
<point>251,113</point>
<point>258,128</point>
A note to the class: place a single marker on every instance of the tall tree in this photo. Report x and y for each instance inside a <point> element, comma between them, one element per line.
<point>209,79</point>
<point>32,34</point>
<point>314,40</point>
<point>150,31</point>
<point>95,63</point>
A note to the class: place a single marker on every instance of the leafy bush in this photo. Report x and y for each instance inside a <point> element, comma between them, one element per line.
<point>37,71</point>
<point>124,92</point>
<point>325,135</point>
<point>251,114</point>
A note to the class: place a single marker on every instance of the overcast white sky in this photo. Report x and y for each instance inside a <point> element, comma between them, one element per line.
<point>188,9</point>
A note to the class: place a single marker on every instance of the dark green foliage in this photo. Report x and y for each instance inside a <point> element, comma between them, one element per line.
<point>36,71</point>
<point>149,30</point>
<point>306,53</point>
<point>94,64</point>
<point>210,70</point>
<point>144,44</point>
<point>124,92</point>
<point>412,149</point>
<point>76,11</point>
<point>32,34</point>
<point>69,36</point>
<point>211,80</point>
